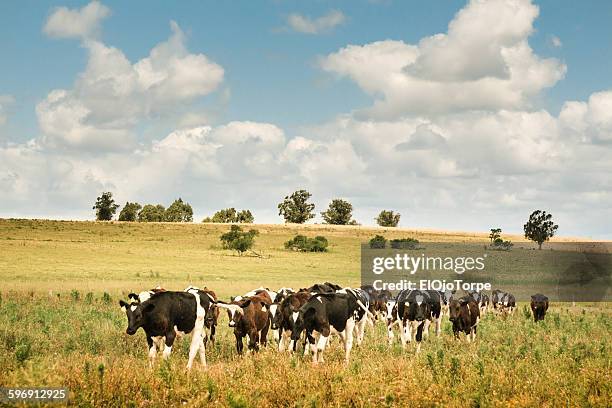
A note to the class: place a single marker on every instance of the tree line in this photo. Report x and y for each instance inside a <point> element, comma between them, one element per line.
<point>296,208</point>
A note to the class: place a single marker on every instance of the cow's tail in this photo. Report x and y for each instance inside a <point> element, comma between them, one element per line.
<point>419,333</point>
<point>365,309</point>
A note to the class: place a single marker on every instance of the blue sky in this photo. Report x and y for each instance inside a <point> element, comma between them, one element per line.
<point>276,74</point>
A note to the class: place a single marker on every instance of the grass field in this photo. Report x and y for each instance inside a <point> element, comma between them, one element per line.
<point>60,325</point>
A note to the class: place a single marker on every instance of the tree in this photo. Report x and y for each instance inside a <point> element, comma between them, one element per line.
<point>339,213</point>
<point>388,218</point>
<point>540,227</point>
<point>129,212</point>
<point>245,217</point>
<point>152,213</point>
<point>296,208</point>
<point>238,240</point>
<point>179,211</point>
<point>230,215</point>
<point>105,207</point>
<point>495,234</point>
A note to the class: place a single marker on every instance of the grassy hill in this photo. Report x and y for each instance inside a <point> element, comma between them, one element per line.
<point>78,339</point>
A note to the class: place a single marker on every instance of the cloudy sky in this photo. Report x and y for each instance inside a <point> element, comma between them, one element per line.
<point>458,115</point>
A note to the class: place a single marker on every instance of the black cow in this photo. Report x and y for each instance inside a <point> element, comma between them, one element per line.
<point>464,314</point>
<point>166,314</point>
<point>324,314</point>
<point>416,310</point>
<point>539,306</point>
<point>326,287</point>
<point>363,313</point>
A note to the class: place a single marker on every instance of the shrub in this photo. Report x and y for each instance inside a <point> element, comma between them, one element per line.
<point>304,244</point>
<point>404,243</point>
<point>378,242</point>
<point>238,240</point>
<point>75,295</point>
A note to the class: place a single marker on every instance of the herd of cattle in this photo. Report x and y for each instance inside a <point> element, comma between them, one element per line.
<point>308,316</point>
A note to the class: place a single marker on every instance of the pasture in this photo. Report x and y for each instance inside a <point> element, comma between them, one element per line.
<point>60,325</point>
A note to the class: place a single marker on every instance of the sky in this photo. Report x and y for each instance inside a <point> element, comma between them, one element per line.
<point>458,115</point>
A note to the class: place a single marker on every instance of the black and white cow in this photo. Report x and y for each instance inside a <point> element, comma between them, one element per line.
<point>464,314</point>
<point>416,310</point>
<point>391,318</point>
<point>363,316</point>
<point>445,297</point>
<point>482,299</point>
<point>166,314</point>
<point>539,306</point>
<point>503,303</point>
<point>324,314</point>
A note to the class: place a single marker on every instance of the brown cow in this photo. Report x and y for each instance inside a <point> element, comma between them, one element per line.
<point>249,317</point>
<point>464,313</point>
<point>285,318</point>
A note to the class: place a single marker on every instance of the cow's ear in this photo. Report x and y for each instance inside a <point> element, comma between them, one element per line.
<point>148,308</point>
<point>133,296</point>
<point>246,303</point>
<point>123,305</point>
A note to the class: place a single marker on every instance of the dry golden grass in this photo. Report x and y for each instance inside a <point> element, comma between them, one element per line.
<point>78,340</point>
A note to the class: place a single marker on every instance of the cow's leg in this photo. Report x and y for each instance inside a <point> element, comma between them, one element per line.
<point>426,328</point>
<point>152,343</point>
<point>321,343</point>
<point>348,340</point>
<point>239,344</point>
<point>312,339</point>
<point>213,331</point>
<point>390,333</point>
<point>196,340</point>
<point>414,325</point>
<point>253,340</point>
<point>438,326</point>
<point>404,332</point>
<point>276,335</point>
<point>168,344</point>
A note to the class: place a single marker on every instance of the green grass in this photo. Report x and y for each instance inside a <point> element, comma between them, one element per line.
<point>58,328</point>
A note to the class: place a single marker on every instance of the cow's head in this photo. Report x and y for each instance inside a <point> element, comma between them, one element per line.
<point>276,316</point>
<point>235,312</point>
<point>419,308</point>
<point>136,314</point>
<point>455,308</point>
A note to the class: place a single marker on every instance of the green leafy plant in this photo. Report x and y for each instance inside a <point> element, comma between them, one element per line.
<point>304,244</point>
<point>388,218</point>
<point>238,240</point>
<point>378,242</point>
<point>404,243</point>
<point>296,208</point>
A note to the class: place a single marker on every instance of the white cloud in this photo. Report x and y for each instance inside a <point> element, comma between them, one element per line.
<point>112,96</point>
<point>5,102</point>
<point>484,62</point>
<point>83,23</point>
<point>307,25</point>
<point>592,120</point>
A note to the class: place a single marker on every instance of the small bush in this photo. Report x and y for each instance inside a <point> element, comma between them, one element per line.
<point>378,242</point>
<point>75,295</point>
<point>304,244</point>
<point>106,298</point>
<point>23,351</point>
<point>404,243</point>
<point>238,240</point>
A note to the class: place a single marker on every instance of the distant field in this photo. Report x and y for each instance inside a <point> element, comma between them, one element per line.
<point>78,339</point>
